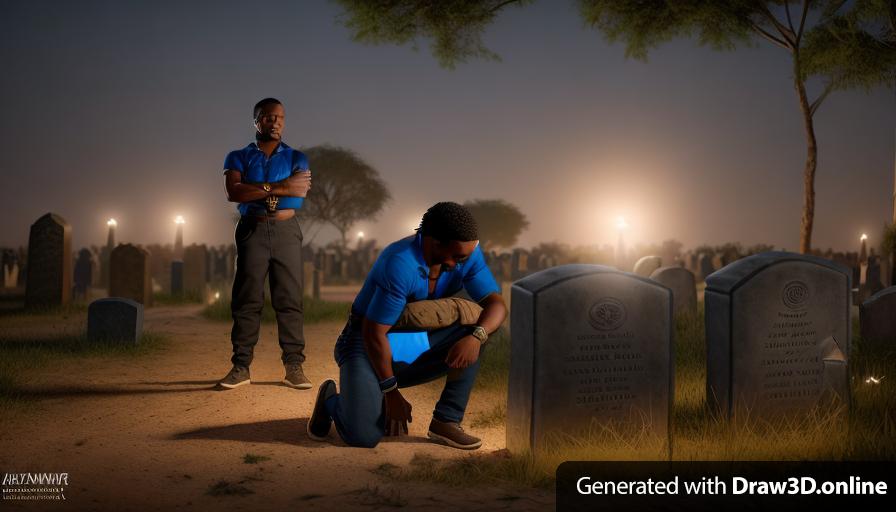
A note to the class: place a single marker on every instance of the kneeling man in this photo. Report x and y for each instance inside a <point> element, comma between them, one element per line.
<point>437,262</point>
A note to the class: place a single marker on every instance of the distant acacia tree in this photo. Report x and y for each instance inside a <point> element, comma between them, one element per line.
<point>845,43</point>
<point>344,189</point>
<point>500,223</point>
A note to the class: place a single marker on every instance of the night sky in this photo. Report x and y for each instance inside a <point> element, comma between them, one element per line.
<point>127,110</point>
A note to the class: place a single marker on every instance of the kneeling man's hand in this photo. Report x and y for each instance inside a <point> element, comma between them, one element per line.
<point>464,353</point>
<point>398,414</point>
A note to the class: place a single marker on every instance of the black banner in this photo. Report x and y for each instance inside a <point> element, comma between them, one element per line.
<point>697,486</point>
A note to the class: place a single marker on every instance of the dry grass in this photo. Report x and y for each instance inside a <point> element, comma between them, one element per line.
<point>866,432</point>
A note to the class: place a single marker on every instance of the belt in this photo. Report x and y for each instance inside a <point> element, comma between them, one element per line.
<point>271,218</point>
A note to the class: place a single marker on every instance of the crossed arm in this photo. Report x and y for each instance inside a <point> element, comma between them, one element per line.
<point>296,185</point>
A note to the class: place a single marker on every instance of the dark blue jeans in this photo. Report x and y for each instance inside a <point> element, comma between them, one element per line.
<point>357,411</point>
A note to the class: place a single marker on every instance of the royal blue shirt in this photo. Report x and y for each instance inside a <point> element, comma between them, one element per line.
<point>256,167</point>
<point>401,275</point>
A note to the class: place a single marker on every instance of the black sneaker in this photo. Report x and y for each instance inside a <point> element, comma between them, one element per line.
<point>320,421</point>
<point>295,377</point>
<point>238,376</point>
<point>453,435</point>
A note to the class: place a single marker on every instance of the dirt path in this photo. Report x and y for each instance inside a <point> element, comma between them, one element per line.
<point>151,433</point>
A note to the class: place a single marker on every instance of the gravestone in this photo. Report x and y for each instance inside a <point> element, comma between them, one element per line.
<point>231,262</point>
<point>704,266</point>
<point>49,280</point>
<point>307,278</point>
<point>590,344</point>
<point>115,319</point>
<point>10,275</point>
<point>129,274</point>
<point>94,268</point>
<point>646,265</point>
<point>195,260</point>
<point>83,273</point>
<point>877,321</point>
<point>519,263</point>
<point>177,277</point>
<point>777,335</point>
<point>683,285</point>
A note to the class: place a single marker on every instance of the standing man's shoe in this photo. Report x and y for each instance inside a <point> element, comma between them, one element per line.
<point>453,435</point>
<point>319,423</point>
<point>295,377</point>
<point>238,376</point>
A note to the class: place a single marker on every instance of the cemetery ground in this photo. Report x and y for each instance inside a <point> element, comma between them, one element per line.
<point>143,424</point>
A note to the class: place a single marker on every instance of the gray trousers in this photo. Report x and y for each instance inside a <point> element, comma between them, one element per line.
<point>267,248</point>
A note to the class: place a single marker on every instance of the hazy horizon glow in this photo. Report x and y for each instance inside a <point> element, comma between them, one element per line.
<point>126,111</point>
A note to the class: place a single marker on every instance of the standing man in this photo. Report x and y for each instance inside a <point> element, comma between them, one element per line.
<point>442,258</point>
<point>269,180</point>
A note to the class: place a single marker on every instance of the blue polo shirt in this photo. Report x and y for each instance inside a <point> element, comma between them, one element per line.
<point>401,275</point>
<point>256,167</point>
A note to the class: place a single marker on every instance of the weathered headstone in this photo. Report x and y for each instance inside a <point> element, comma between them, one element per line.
<point>10,275</point>
<point>307,278</point>
<point>129,274</point>
<point>519,263</point>
<point>177,277</point>
<point>590,344</point>
<point>704,266</point>
<point>877,321</point>
<point>49,281</point>
<point>83,273</point>
<point>195,260</point>
<point>646,265</point>
<point>115,319</point>
<point>683,285</point>
<point>777,335</point>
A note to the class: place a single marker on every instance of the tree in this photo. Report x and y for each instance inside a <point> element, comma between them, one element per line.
<point>344,190</point>
<point>847,44</point>
<point>500,223</point>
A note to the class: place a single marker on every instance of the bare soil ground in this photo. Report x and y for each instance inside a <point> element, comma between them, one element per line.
<point>152,433</point>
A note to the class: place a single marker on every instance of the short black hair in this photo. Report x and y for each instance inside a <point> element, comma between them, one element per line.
<point>263,103</point>
<point>448,221</point>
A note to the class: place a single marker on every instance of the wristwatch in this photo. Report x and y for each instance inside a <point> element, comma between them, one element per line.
<point>266,187</point>
<point>480,334</point>
<point>389,385</point>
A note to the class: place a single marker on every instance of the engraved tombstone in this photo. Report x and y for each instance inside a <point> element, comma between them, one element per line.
<point>777,335</point>
<point>590,344</point>
<point>49,280</point>
<point>195,260</point>
<point>646,265</point>
<point>115,319</point>
<point>177,277</point>
<point>704,266</point>
<point>877,318</point>
<point>519,263</point>
<point>83,273</point>
<point>683,285</point>
<point>129,274</point>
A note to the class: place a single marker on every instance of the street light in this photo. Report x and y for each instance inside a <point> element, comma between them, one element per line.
<point>179,238</point>
<point>110,238</point>
<point>621,224</point>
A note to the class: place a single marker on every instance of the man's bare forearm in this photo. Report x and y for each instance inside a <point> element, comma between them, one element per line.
<point>377,345</point>
<point>245,193</point>
<point>240,192</point>
<point>494,311</point>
